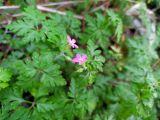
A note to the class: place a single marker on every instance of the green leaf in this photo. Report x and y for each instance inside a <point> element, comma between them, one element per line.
<point>44,107</point>
<point>41,69</point>
<point>117,22</point>
<point>4,85</point>
<point>95,58</point>
<point>5,77</point>
<point>32,26</point>
<point>97,30</point>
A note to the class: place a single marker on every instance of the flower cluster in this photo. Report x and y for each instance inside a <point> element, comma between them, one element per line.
<point>78,58</point>
<point>72,42</point>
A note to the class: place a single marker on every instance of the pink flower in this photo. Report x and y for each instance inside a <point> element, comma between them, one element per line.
<point>80,59</point>
<point>72,42</point>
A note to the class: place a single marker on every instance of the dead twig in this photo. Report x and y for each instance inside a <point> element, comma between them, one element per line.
<point>61,3</point>
<point>41,8</point>
<point>9,7</point>
<point>56,11</point>
<point>45,5</point>
<point>101,7</point>
<point>155,65</point>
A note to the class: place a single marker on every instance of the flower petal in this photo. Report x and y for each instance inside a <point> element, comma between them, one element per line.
<point>74,60</point>
<point>78,55</point>
<point>73,41</point>
<point>68,37</point>
<point>84,56</point>
<point>75,46</point>
<point>80,62</point>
